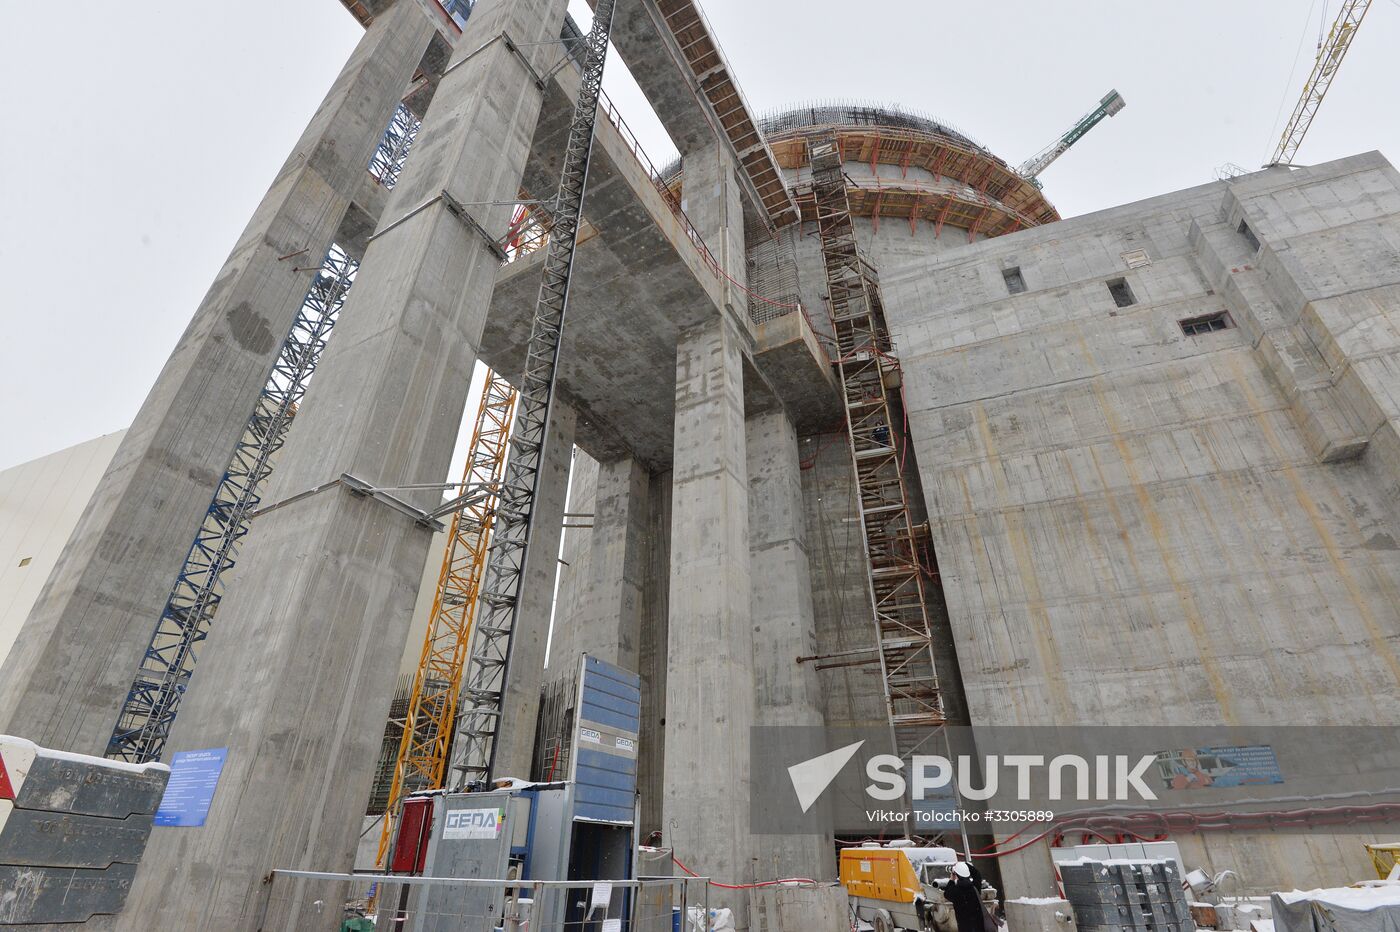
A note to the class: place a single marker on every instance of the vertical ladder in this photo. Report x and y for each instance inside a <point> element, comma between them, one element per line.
<point>432,703</point>
<point>160,682</point>
<point>475,749</point>
<point>867,367</point>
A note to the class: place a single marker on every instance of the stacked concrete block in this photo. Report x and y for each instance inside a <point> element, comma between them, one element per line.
<point>1045,914</point>
<point>72,830</point>
<point>1126,896</point>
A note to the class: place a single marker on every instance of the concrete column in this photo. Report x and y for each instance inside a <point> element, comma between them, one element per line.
<point>709,678</point>
<point>69,672</point>
<point>713,200</point>
<point>298,687</point>
<point>608,624</point>
<point>786,692</point>
<point>515,740</point>
<point>651,663</point>
<point>576,557</point>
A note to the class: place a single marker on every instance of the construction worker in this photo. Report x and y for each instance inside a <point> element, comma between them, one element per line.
<point>964,891</point>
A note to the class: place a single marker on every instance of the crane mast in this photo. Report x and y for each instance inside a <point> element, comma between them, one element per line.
<point>1329,59</point>
<point>431,718</point>
<point>1111,103</point>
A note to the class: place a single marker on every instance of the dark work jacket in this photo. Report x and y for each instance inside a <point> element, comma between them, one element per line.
<point>966,897</point>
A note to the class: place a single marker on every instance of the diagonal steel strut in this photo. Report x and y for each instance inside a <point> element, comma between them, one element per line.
<point>474,751</point>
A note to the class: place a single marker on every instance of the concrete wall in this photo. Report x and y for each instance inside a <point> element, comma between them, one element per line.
<point>1136,526</point>
<point>1133,525</point>
<point>40,504</point>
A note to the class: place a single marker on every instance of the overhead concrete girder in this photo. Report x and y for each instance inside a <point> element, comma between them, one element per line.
<point>697,107</point>
<point>639,281</point>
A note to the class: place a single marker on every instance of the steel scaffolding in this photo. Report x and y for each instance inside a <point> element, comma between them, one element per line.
<point>144,721</point>
<point>392,152</point>
<point>868,367</point>
<point>475,749</point>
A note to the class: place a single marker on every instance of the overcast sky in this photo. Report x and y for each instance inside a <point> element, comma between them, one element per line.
<point>141,136</point>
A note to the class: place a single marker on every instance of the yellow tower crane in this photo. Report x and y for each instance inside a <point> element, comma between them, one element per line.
<point>432,705</point>
<point>1329,59</point>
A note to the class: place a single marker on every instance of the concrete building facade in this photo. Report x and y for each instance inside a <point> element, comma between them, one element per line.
<point>40,503</point>
<point>1154,448</point>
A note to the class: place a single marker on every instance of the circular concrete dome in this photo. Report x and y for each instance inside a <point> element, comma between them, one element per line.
<point>907,166</point>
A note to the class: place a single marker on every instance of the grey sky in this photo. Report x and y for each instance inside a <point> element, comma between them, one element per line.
<point>142,135</point>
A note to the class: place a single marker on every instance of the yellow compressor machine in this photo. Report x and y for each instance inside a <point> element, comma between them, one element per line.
<point>901,887</point>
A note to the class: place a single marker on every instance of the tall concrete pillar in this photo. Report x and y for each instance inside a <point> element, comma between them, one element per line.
<point>576,556</point>
<point>608,623</point>
<point>515,738</point>
<point>713,200</point>
<point>64,682</point>
<point>651,662</point>
<point>299,696</point>
<point>709,673</point>
<point>786,693</point>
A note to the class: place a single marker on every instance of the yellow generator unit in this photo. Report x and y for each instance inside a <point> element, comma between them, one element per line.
<point>879,874</point>
<point>901,887</point>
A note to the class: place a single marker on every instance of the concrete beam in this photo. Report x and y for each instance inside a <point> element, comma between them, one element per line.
<point>793,360</point>
<point>671,51</point>
<point>709,679</point>
<point>69,673</point>
<point>297,679</point>
<point>638,281</point>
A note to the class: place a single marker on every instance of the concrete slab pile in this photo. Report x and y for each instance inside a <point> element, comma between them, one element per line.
<point>72,831</point>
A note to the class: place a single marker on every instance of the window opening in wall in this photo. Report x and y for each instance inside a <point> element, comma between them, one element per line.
<point>1122,294</point>
<point>25,561</point>
<point>1249,236</point>
<point>1015,283</point>
<point>1193,326</point>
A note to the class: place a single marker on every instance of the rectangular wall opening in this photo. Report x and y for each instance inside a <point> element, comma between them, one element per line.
<point>1122,294</point>
<point>1194,326</point>
<point>1249,236</point>
<point>1015,283</point>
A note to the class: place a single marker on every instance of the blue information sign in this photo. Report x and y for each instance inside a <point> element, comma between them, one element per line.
<point>193,777</point>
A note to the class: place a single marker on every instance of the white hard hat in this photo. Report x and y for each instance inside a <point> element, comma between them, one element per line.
<point>961,869</point>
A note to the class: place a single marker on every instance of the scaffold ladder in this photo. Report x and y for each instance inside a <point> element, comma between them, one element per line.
<point>432,703</point>
<point>868,367</point>
<point>474,751</point>
<point>154,699</point>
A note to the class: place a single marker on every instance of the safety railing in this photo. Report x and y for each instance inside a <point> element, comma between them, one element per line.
<point>294,900</point>
<point>634,146</point>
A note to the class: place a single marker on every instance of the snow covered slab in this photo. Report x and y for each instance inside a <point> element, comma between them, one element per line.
<point>1371,907</point>
<point>56,781</point>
